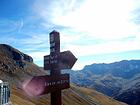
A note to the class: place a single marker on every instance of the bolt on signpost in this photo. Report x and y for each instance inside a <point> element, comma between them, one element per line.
<point>54,62</point>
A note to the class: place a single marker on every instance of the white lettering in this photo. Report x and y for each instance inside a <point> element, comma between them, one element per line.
<point>51,57</point>
<point>53,83</point>
<point>52,44</point>
<point>52,50</point>
<point>51,38</point>
<point>53,61</point>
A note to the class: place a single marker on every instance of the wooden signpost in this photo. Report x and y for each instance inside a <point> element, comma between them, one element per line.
<point>55,82</point>
<point>56,61</point>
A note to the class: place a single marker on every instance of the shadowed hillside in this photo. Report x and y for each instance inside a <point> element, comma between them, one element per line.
<point>15,67</point>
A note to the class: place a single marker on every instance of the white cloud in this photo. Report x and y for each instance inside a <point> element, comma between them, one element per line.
<point>38,56</point>
<point>101,49</point>
<point>21,24</point>
<point>9,25</point>
<point>104,48</point>
<point>79,65</point>
<point>35,39</point>
<point>67,38</point>
<point>107,20</point>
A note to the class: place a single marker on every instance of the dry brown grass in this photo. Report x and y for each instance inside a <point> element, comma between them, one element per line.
<point>73,96</point>
<point>95,97</point>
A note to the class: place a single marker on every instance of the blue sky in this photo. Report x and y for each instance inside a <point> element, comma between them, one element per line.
<point>96,31</point>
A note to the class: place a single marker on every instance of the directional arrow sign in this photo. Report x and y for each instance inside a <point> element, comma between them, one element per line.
<point>66,60</point>
<point>40,85</point>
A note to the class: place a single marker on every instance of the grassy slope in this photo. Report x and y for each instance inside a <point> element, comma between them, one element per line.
<point>95,97</point>
<point>73,96</point>
<point>18,97</point>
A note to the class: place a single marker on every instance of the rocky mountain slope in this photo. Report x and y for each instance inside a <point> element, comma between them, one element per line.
<point>120,80</point>
<point>16,67</point>
<point>130,92</point>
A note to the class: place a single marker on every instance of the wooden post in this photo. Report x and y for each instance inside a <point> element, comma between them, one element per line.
<point>55,70</point>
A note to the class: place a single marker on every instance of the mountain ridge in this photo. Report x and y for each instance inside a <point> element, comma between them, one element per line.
<point>117,79</point>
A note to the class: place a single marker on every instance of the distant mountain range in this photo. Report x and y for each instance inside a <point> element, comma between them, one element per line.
<point>120,80</point>
<point>15,67</point>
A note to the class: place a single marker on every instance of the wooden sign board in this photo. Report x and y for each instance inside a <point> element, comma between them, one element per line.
<point>65,60</point>
<point>40,85</point>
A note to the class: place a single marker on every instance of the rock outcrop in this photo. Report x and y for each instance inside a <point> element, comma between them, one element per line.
<point>11,57</point>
